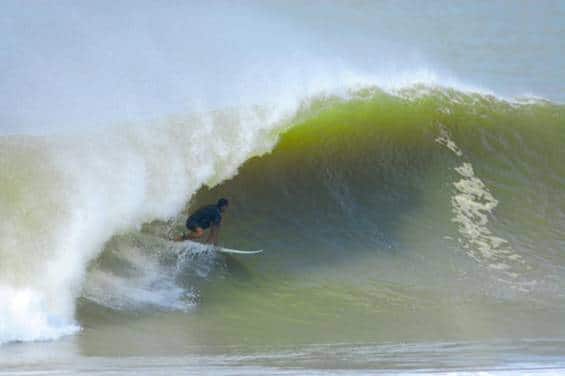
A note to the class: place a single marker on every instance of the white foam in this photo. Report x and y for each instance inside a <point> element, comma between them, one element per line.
<point>144,274</point>
<point>472,204</point>
<point>25,315</point>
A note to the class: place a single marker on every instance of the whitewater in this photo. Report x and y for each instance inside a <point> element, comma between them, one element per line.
<point>404,177</point>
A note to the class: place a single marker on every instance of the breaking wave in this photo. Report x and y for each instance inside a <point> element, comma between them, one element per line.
<point>358,171</point>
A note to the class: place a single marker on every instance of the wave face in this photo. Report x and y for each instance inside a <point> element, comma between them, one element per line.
<point>427,173</point>
<point>427,214</point>
<point>426,186</point>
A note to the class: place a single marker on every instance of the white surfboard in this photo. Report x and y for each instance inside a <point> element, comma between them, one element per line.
<point>210,247</point>
<point>237,251</point>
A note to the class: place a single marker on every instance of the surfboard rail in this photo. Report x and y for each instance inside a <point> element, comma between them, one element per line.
<point>213,248</point>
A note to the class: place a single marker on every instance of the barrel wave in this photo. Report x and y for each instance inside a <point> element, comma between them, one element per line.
<point>427,213</point>
<point>425,203</point>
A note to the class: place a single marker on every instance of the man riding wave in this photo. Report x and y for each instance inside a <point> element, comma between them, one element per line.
<point>209,216</point>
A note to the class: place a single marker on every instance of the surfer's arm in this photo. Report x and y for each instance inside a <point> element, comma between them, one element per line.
<point>213,237</point>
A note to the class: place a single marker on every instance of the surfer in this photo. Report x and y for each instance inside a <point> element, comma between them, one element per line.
<point>203,218</point>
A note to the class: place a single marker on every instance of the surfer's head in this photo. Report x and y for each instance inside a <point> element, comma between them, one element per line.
<point>223,203</point>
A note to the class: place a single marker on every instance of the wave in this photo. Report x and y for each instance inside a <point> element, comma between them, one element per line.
<point>343,172</point>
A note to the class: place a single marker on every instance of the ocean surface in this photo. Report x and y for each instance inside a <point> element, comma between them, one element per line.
<point>401,164</point>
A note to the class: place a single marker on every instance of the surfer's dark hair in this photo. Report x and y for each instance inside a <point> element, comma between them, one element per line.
<point>223,202</point>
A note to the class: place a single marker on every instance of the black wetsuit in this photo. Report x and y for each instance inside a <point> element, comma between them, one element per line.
<point>204,217</point>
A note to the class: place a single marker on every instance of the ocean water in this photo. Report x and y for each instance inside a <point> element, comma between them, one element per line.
<point>401,164</point>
